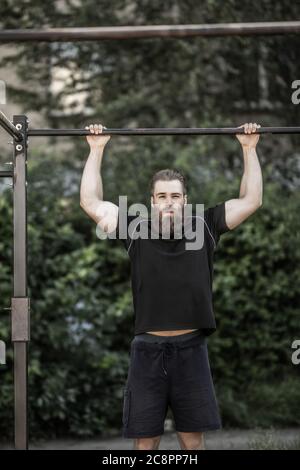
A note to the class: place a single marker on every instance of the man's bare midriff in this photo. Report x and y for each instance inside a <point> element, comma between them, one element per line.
<point>170,333</point>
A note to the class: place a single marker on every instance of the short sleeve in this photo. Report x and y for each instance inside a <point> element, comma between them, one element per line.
<point>216,222</point>
<point>125,227</point>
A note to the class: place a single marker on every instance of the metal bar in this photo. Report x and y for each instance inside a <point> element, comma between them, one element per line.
<point>10,128</point>
<point>21,400</point>
<point>20,341</point>
<point>163,131</point>
<point>20,319</point>
<point>6,174</point>
<point>139,32</point>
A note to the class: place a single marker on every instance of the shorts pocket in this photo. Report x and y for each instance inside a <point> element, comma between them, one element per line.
<point>126,405</point>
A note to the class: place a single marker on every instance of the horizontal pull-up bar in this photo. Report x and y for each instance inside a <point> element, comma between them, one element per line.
<point>164,131</point>
<point>18,136</point>
<point>10,128</point>
<point>139,32</point>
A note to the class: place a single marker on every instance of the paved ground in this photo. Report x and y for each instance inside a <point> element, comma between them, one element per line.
<point>226,439</point>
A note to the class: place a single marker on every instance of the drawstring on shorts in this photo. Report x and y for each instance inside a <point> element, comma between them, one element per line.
<point>166,347</point>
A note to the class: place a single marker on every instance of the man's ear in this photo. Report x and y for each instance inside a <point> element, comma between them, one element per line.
<point>152,201</point>
<point>185,200</point>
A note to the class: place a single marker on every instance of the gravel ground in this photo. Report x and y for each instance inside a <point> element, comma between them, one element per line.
<point>233,439</point>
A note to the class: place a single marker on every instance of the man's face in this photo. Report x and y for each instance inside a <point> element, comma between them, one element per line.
<point>168,200</point>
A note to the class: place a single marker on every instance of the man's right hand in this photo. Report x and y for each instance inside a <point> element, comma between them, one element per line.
<point>96,141</point>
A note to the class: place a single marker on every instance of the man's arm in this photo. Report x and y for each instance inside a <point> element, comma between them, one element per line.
<point>251,189</point>
<point>91,189</point>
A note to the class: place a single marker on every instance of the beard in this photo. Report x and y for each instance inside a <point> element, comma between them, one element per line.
<point>170,224</point>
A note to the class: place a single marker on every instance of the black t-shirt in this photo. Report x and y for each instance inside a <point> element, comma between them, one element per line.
<point>172,286</point>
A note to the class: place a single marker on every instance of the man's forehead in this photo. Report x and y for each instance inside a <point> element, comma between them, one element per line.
<point>173,186</point>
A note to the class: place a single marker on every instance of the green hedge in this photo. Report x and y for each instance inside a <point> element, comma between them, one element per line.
<point>82,320</point>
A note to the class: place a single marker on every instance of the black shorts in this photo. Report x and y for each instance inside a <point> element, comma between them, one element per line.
<point>169,371</point>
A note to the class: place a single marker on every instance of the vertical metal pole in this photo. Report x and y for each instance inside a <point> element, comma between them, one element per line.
<point>20,303</point>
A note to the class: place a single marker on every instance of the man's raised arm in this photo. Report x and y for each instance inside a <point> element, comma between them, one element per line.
<point>91,189</point>
<point>251,189</point>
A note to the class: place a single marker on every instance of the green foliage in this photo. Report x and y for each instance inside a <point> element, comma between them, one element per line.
<point>80,314</point>
<point>82,319</point>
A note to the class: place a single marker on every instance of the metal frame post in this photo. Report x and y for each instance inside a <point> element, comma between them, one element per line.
<point>20,301</point>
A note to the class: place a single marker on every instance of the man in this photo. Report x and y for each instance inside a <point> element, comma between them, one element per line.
<point>172,296</point>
